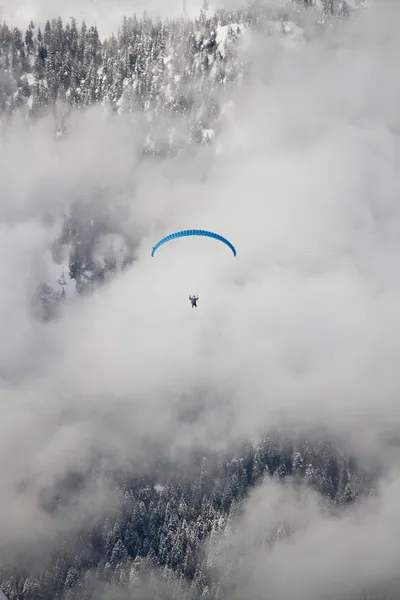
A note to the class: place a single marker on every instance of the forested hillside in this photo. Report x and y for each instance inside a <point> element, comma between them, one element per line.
<point>163,539</point>
<point>171,529</point>
<point>146,66</point>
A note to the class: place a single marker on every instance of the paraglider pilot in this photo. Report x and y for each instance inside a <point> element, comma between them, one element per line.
<point>193,300</point>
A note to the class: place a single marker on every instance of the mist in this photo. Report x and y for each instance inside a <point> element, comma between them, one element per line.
<point>300,331</point>
<point>325,557</point>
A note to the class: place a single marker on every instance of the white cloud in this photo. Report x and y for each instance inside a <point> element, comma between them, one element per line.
<point>325,556</point>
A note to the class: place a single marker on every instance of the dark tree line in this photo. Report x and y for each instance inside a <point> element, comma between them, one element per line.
<point>164,519</point>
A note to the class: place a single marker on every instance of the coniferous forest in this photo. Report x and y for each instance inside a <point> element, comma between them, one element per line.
<point>183,526</point>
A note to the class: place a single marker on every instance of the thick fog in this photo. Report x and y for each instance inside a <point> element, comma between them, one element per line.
<point>300,330</point>
<point>325,557</point>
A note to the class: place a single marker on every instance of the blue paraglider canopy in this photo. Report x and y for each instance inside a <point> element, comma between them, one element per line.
<point>188,232</point>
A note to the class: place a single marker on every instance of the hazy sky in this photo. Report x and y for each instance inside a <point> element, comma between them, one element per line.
<point>303,325</point>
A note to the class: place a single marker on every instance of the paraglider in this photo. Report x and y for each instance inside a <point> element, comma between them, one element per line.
<point>188,232</point>
<point>193,300</point>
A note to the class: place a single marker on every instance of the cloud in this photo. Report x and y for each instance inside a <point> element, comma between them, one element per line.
<point>302,326</point>
<point>285,542</point>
